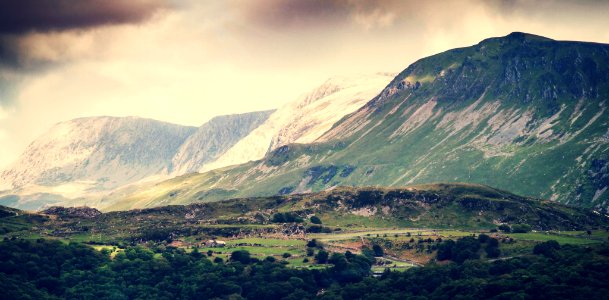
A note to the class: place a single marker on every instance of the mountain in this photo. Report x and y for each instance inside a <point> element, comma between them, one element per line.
<point>106,151</point>
<point>521,112</point>
<point>214,138</point>
<point>306,118</point>
<point>82,158</point>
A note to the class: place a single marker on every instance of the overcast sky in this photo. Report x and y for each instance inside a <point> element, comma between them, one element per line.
<point>187,61</point>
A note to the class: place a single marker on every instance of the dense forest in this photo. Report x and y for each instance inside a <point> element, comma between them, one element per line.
<point>46,269</point>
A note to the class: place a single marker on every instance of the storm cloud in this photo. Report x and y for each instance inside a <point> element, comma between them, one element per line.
<point>18,17</point>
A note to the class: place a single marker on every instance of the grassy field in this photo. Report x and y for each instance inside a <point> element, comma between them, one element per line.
<point>562,238</point>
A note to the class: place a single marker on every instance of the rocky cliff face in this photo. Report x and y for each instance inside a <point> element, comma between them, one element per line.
<point>521,112</point>
<point>306,118</point>
<point>213,139</point>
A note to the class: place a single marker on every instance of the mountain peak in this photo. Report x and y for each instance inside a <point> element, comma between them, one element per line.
<point>516,37</point>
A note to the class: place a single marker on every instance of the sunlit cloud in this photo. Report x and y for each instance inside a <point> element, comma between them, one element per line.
<point>187,61</point>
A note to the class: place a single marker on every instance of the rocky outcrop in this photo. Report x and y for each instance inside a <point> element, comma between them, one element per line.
<point>75,212</point>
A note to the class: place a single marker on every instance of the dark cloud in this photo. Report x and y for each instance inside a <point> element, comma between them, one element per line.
<point>22,16</point>
<point>20,19</point>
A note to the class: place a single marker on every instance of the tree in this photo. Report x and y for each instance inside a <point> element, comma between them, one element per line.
<point>315,220</point>
<point>286,255</point>
<point>483,238</point>
<point>312,243</point>
<point>378,250</point>
<point>547,249</point>
<point>492,252</point>
<point>445,250</point>
<point>367,252</point>
<point>242,256</point>
<point>322,257</point>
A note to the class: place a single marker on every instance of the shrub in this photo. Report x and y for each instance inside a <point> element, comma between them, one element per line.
<point>241,256</point>
<point>287,217</point>
<point>315,220</point>
<point>521,228</point>
<point>505,228</point>
<point>547,249</point>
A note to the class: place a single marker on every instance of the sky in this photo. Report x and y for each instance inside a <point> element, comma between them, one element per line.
<point>185,61</point>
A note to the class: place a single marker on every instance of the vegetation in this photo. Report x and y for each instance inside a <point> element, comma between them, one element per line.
<point>315,220</point>
<point>44,269</point>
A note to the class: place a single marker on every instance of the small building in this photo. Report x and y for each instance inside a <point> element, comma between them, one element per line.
<point>215,243</point>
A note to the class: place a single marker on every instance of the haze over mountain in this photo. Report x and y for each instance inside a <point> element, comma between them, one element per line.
<point>213,138</point>
<point>521,112</point>
<point>306,118</point>
<point>76,161</point>
<point>88,156</point>
<point>103,151</point>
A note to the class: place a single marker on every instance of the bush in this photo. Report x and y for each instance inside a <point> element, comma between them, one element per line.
<point>315,220</point>
<point>286,255</point>
<point>465,248</point>
<point>505,228</point>
<point>241,256</point>
<point>287,217</point>
<point>318,229</point>
<point>312,243</point>
<point>521,228</point>
<point>547,249</point>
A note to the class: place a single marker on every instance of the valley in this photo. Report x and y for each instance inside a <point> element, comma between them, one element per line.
<point>491,156</point>
<point>408,224</point>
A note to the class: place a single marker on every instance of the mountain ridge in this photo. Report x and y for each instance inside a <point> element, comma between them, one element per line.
<point>494,113</point>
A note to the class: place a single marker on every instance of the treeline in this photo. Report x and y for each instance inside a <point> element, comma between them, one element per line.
<point>52,270</point>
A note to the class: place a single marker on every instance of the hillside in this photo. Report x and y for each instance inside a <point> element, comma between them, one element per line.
<point>458,206</point>
<point>88,155</point>
<point>522,113</point>
<point>304,119</point>
<point>213,139</point>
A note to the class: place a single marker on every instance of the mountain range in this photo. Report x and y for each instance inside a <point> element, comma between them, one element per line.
<point>79,160</point>
<point>521,112</point>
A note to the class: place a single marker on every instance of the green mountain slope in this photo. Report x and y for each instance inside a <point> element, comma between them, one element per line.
<point>522,113</point>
